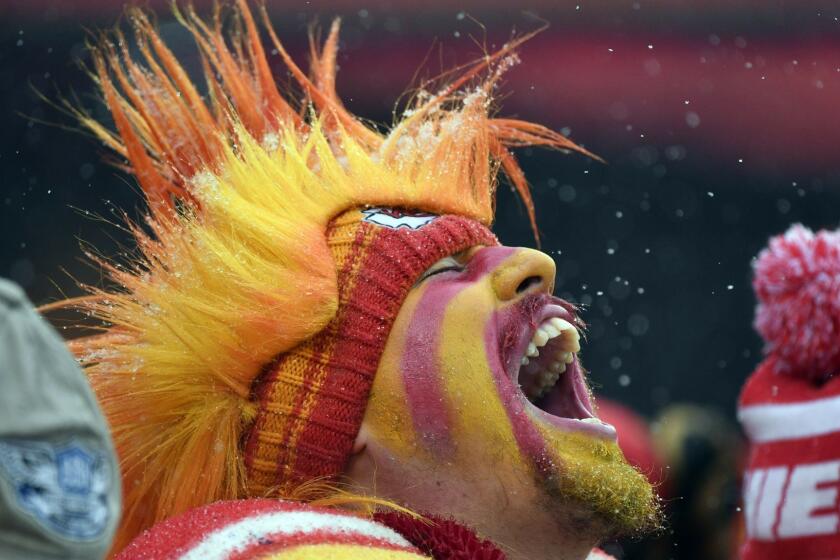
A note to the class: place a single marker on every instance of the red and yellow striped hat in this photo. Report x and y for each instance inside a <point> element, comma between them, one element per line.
<point>312,398</point>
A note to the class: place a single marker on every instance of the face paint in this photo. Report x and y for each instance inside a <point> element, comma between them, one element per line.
<point>458,345</point>
<point>418,334</point>
<point>421,375</point>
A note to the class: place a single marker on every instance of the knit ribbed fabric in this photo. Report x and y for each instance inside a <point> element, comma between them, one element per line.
<point>793,468</point>
<point>312,399</point>
<point>269,530</point>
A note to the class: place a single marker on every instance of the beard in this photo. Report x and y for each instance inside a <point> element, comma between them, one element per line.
<point>594,488</point>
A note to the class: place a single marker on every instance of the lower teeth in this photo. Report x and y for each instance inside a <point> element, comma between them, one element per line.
<point>557,367</point>
<point>542,384</point>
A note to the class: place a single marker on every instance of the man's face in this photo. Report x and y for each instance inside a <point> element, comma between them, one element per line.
<point>454,424</point>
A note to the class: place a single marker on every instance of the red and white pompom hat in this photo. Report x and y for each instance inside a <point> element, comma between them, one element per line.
<point>790,406</point>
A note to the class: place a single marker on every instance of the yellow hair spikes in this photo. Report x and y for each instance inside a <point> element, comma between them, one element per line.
<point>233,266</point>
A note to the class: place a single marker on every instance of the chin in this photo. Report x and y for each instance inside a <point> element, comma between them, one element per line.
<point>593,479</point>
<point>533,348</point>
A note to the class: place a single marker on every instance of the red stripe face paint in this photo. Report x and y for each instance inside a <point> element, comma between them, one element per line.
<point>447,412</point>
<point>420,365</point>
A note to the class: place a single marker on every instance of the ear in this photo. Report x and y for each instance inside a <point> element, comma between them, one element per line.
<point>360,444</point>
<point>361,466</point>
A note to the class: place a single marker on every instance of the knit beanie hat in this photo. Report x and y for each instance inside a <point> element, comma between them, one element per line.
<point>790,406</point>
<point>312,398</point>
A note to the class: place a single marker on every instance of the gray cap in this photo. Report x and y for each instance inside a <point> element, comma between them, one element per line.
<point>59,480</point>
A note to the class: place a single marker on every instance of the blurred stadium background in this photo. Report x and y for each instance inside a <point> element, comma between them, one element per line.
<point>719,121</point>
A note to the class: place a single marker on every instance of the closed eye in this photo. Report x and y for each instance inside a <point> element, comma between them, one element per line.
<point>446,264</point>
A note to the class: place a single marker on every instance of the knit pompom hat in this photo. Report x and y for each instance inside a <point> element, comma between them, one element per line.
<point>790,406</point>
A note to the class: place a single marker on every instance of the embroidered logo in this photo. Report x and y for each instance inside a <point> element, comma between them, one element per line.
<point>63,487</point>
<point>396,219</point>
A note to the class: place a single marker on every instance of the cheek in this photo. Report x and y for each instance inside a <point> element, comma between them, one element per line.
<point>423,373</point>
<point>480,423</point>
<point>408,408</point>
<point>388,416</point>
<point>434,393</point>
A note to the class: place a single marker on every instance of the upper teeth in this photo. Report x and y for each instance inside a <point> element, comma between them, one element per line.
<point>541,381</point>
<point>552,328</point>
<point>532,350</point>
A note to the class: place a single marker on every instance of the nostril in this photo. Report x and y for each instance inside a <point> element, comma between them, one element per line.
<point>528,283</point>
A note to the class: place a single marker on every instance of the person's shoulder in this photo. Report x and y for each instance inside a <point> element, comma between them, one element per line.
<point>255,528</point>
<point>11,295</point>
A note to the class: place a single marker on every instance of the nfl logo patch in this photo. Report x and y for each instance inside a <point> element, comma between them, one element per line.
<point>396,219</point>
<point>62,487</point>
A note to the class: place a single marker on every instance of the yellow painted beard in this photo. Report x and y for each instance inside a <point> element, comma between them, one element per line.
<point>594,474</point>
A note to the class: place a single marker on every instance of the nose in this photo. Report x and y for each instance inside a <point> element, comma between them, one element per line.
<point>525,272</point>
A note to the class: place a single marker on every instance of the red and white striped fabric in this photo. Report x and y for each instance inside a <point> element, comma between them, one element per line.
<point>260,529</point>
<point>268,529</point>
<point>791,483</point>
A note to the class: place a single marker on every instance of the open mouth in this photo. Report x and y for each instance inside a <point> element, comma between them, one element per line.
<point>540,353</point>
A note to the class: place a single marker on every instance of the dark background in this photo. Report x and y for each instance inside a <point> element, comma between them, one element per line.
<point>720,122</point>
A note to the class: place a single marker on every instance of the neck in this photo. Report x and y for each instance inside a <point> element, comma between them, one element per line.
<point>543,538</point>
<point>516,524</point>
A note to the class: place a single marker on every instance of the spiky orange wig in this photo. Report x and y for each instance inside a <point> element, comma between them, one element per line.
<point>233,268</point>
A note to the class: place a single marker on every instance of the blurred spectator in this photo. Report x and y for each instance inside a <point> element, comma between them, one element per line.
<point>790,406</point>
<point>59,480</point>
<point>703,453</point>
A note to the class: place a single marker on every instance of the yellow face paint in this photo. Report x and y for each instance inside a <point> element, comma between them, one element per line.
<point>446,394</point>
<point>388,414</point>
